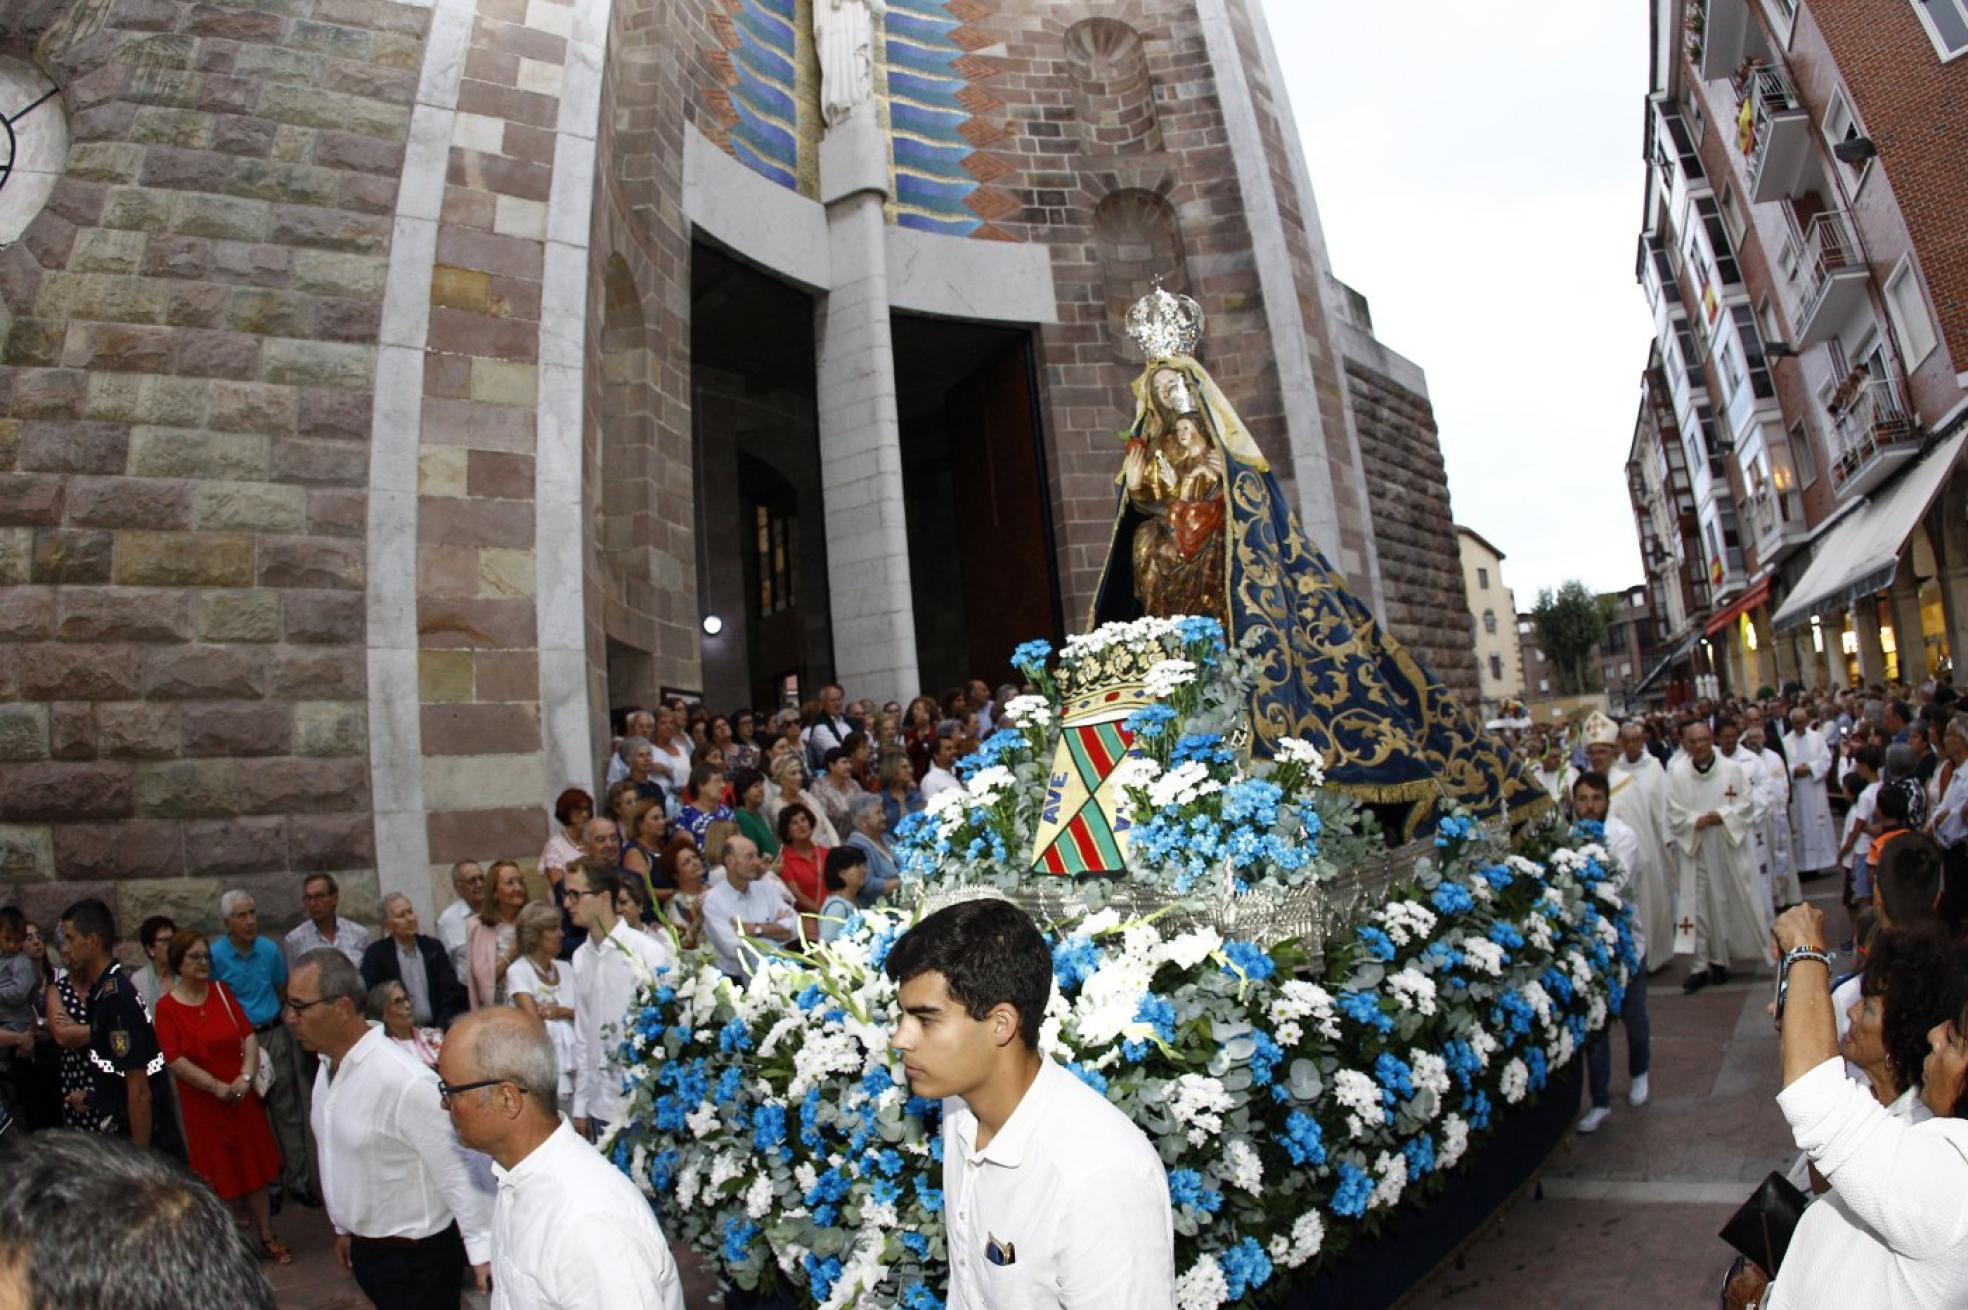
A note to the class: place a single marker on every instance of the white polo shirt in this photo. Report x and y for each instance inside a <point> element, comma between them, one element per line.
<point>571,1232</point>
<point>1073,1187</point>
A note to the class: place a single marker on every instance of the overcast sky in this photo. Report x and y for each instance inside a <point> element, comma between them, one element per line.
<point>1477,171</point>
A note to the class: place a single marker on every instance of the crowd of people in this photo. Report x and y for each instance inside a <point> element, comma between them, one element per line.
<point>306,1069</point>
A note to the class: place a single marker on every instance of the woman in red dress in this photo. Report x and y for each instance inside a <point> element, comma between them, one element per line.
<point>210,1047</point>
<point>800,863</point>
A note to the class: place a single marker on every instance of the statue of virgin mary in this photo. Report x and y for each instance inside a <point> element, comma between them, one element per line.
<point>1203,528</point>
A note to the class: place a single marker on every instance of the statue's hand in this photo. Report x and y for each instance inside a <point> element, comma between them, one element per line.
<point>1134,468</point>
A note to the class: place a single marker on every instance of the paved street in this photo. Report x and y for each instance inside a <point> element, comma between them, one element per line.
<point>1627,1215</point>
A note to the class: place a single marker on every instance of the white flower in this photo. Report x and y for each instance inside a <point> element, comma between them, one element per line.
<point>1199,1104</point>
<point>687,1183</point>
<point>1482,954</point>
<point>986,784</point>
<point>703,1121</point>
<point>1414,989</point>
<point>1429,1072</point>
<point>1241,1166</point>
<point>1516,1079</point>
<point>1028,711</point>
<point>1559,1049</point>
<point>1483,1045</point>
<point>1308,1234</point>
<point>1407,921</point>
<point>1360,1094</point>
<point>1203,1287</point>
<point>1192,948</point>
<point>1166,676</point>
<point>1182,785</point>
<point>1595,1013</point>
<point>1537,931</point>
<point>1539,1000</point>
<point>1392,1171</point>
<point>1297,750</point>
<point>1455,1140</point>
<point>1298,999</point>
<point>1135,771</point>
<point>826,1050</point>
<point>1100,921</point>
<point>726,1167</point>
<point>1108,1001</point>
<point>759,1197</point>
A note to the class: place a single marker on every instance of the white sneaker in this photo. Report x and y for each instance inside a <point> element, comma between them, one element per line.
<point>1637,1095</point>
<point>1590,1121</point>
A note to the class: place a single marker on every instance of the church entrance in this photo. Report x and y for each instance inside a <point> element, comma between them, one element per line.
<point>973,472</point>
<point>761,527</point>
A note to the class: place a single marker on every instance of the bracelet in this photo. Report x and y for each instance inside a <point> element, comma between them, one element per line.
<point>1791,957</point>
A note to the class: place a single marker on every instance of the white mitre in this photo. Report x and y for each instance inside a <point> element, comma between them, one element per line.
<point>1600,730</point>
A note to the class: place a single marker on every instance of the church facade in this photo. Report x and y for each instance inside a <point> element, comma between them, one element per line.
<point>390,390</point>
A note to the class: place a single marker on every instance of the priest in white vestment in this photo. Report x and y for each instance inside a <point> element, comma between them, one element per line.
<point>1638,800</point>
<point>1728,744</point>
<point>1813,836</point>
<point>1724,910</point>
<point>1784,887</point>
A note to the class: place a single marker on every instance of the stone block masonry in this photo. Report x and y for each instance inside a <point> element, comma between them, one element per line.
<point>189,356</point>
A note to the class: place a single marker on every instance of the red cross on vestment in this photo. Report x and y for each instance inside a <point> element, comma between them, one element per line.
<point>1686,924</point>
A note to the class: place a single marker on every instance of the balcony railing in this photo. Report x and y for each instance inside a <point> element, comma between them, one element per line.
<point>1873,433</point>
<point>1828,276</point>
<point>1773,130</point>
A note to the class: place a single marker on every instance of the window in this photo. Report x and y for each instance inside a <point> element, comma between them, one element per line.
<point>774,549</point>
<point>1483,581</point>
<point>1752,347</point>
<point>1544,684</point>
<point>1496,667</point>
<point>1909,310</point>
<point>1718,240</point>
<point>1692,111</point>
<point>1732,217</point>
<point>1842,124</point>
<point>1490,622</point>
<point>1946,22</point>
<point>1540,655</point>
<point>1802,457</point>
<point>1524,628</point>
<point>1626,669</point>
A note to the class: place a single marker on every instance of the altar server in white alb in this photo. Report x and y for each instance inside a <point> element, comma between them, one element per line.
<point>1052,1197</point>
<point>1813,836</point>
<point>1728,745</point>
<point>569,1230</point>
<point>1724,910</point>
<point>1637,797</point>
<point>1785,890</point>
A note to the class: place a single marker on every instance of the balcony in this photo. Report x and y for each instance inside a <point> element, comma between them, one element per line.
<point>1723,24</point>
<point>1775,528</point>
<point>1828,277</point>
<point>1773,130</point>
<point>1873,433</point>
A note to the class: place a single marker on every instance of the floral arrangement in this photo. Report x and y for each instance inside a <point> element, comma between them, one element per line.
<point>1294,1107</point>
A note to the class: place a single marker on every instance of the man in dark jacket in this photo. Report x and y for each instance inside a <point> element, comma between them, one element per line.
<point>420,963</point>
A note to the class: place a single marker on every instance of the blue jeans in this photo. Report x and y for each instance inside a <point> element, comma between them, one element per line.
<point>1639,1043</point>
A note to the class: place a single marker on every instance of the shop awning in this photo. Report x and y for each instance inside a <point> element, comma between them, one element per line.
<point>1860,555</point>
<point>1741,605</point>
<point>1674,656</point>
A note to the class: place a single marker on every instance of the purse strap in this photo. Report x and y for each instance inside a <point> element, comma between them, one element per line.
<point>226,1001</point>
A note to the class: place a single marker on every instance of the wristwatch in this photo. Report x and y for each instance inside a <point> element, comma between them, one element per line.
<point>1792,956</point>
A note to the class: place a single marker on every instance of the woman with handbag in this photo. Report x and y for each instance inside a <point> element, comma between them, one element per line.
<point>209,1046</point>
<point>1893,1230</point>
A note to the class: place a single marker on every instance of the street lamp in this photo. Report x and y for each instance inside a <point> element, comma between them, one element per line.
<point>713,625</point>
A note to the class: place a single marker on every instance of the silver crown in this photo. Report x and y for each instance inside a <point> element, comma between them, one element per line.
<point>1164,324</point>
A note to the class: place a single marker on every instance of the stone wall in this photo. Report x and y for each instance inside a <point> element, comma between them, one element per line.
<point>190,332</point>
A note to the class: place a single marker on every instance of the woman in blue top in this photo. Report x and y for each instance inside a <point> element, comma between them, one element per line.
<point>870,837</point>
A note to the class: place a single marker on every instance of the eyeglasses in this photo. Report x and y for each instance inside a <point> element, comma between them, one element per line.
<point>198,955</point>
<point>445,1091</point>
<point>298,1008</point>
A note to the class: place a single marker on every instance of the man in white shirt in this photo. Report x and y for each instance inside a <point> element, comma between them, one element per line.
<point>454,920</point>
<point>610,969</point>
<point>321,897</point>
<point>1051,1196</point>
<point>828,731</point>
<point>746,907</point>
<point>396,1187</point>
<point>1589,803</point>
<point>569,1230</point>
<point>940,776</point>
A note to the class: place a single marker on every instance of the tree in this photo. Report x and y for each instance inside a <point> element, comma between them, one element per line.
<point>1570,624</point>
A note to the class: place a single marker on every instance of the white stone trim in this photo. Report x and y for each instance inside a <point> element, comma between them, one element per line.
<point>956,277</point>
<point>396,782</point>
<point>779,230</point>
<point>565,723</point>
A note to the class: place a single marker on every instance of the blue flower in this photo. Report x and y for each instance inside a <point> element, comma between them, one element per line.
<point>918,1297</point>
<point>1248,958</point>
<point>810,1119</point>
<point>1461,1059</point>
<point>729,1084</point>
<point>1454,828</point>
<point>918,1246</point>
<point>1364,1009</point>
<point>1350,1197</point>
<point>1534,1061</point>
<point>1476,1109</point>
<point>1589,830</point>
<point>662,1170</point>
<point>1303,1141</point>
<point>1074,961</point>
<point>1031,656</point>
<point>1206,748</point>
<point>1377,943</point>
<point>1264,1060</point>
<point>1506,936</point>
<point>1149,721</point>
<point>821,1275</point>
<point>930,1197</point>
<point>1245,1267</point>
<point>1394,1076</point>
<point>1420,1152</point>
<point>1496,875</point>
<point>738,1237</point>
<point>1090,1076</point>
<point>877,1080</point>
<point>811,997</point>
<point>733,1037</point>
<point>1452,898</point>
<point>1186,1189</point>
<point>769,1129</point>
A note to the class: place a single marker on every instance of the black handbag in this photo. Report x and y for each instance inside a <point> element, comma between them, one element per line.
<point>1761,1229</point>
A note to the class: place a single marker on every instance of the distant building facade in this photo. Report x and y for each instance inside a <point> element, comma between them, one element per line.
<point>1493,622</point>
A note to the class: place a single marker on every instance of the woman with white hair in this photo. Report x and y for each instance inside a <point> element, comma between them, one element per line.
<point>790,778</point>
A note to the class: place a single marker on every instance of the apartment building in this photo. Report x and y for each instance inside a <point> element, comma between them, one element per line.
<point>1795,468</point>
<point>1493,618</point>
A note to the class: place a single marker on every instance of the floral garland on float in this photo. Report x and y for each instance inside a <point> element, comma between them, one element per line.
<point>1303,1075</point>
